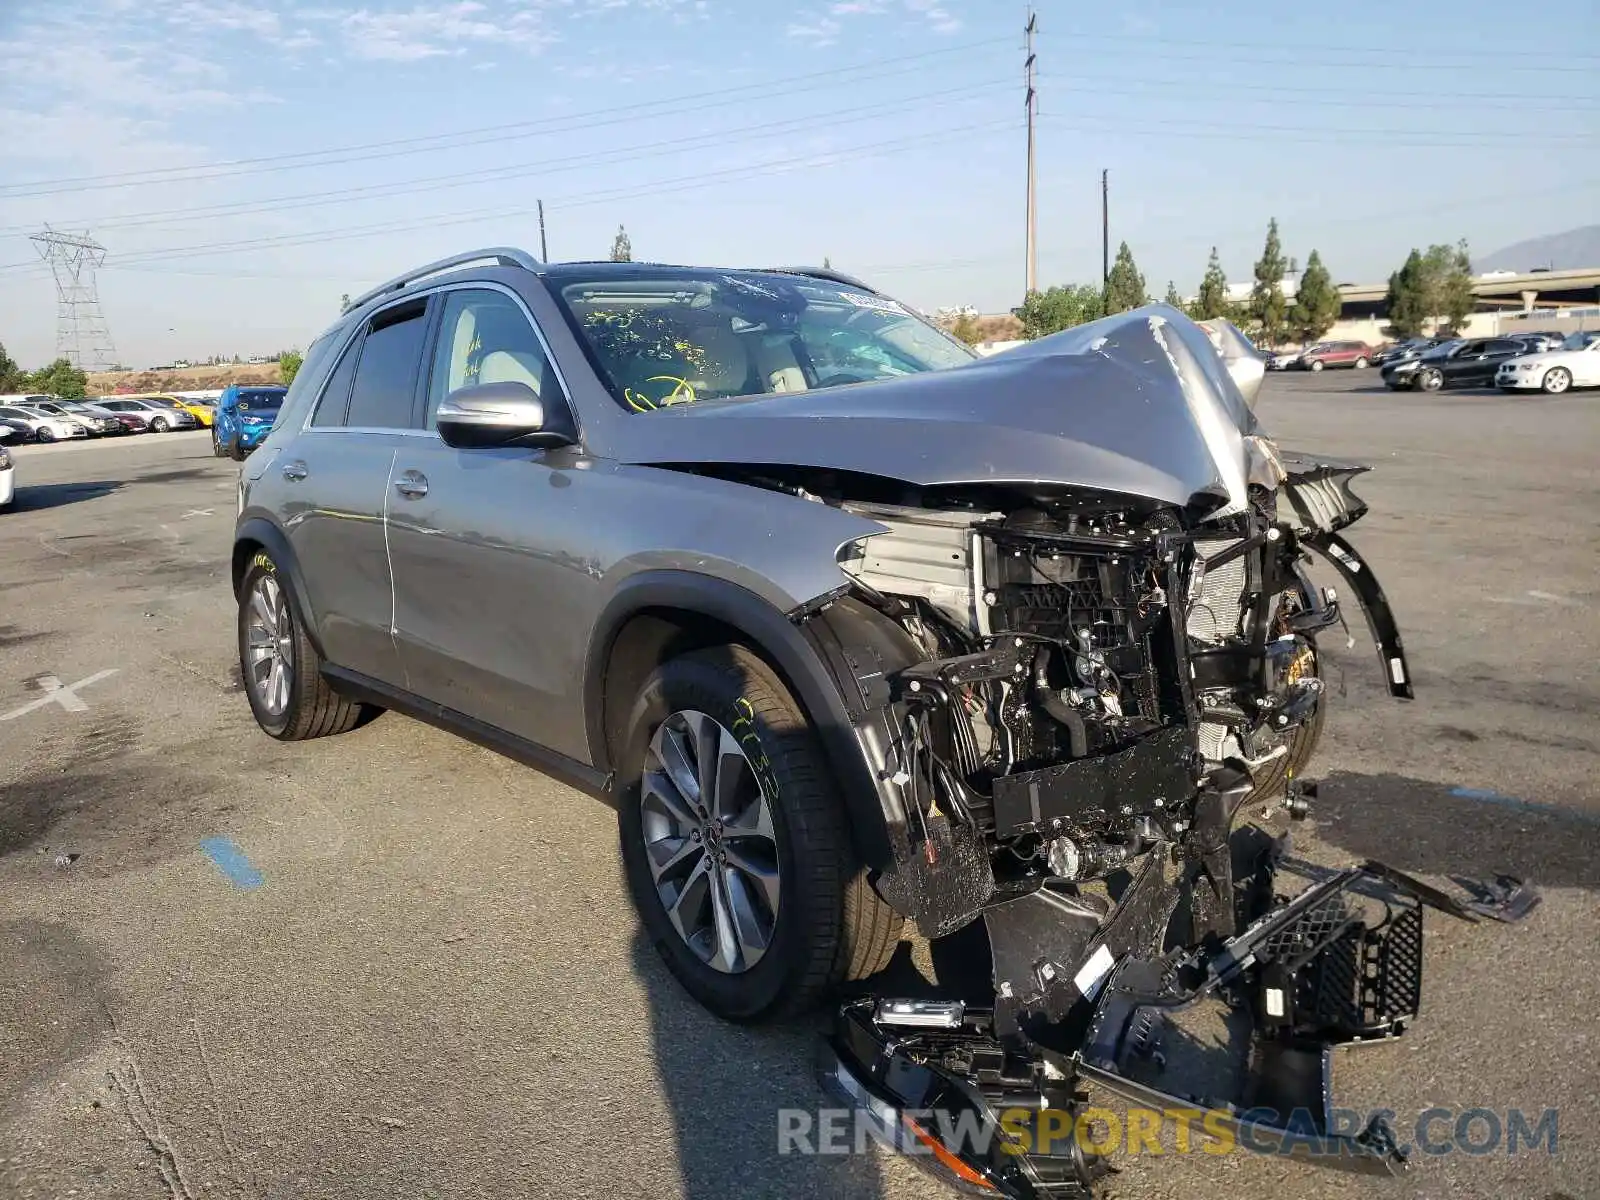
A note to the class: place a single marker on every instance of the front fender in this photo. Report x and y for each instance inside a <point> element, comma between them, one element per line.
<point>801,652</point>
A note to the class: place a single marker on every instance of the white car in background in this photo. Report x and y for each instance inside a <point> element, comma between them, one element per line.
<point>8,478</point>
<point>46,428</point>
<point>1576,364</point>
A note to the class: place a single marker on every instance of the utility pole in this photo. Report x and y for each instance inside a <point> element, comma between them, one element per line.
<point>1032,99</point>
<point>1105,229</point>
<point>544,251</point>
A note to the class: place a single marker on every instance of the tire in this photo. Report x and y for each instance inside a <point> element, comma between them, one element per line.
<point>236,451</point>
<point>309,707</point>
<point>45,435</point>
<point>158,425</point>
<point>827,925</point>
<point>1316,364</point>
<point>217,450</point>
<point>1431,380</point>
<point>1556,380</point>
<point>1360,364</point>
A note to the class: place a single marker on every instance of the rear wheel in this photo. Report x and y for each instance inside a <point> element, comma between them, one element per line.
<point>1556,380</point>
<point>735,843</point>
<point>217,450</point>
<point>281,669</point>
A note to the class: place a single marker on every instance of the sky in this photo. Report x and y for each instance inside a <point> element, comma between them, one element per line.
<point>247,163</point>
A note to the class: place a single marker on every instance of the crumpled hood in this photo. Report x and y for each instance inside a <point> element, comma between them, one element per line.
<point>1139,403</point>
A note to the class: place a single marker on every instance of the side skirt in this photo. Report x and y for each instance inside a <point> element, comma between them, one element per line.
<point>558,766</point>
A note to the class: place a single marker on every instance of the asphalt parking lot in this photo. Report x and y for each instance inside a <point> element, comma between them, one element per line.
<point>426,980</point>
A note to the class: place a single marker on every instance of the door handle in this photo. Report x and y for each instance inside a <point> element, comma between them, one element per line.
<point>413,485</point>
<point>294,472</point>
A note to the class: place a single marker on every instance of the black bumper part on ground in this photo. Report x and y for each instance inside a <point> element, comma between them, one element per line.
<point>998,1106</point>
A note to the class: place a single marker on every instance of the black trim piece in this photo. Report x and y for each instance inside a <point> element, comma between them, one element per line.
<point>568,770</point>
<point>1353,569</point>
<point>276,543</point>
<point>794,654</point>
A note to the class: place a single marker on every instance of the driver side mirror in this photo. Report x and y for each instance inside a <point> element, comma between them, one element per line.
<point>496,414</point>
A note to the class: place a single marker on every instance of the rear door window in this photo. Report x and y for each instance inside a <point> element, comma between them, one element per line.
<point>384,392</point>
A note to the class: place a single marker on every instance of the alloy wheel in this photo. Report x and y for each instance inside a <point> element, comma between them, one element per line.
<point>1557,380</point>
<point>1431,380</point>
<point>269,646</point>
<point>710,842</point>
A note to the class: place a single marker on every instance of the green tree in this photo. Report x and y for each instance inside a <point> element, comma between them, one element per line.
<point>1267,306</point>
<point>1124,286</point>
<point>1058,308</point>
<point>289,363</point>
<point>621,246</point>
<point>1316,303</point>
<point>1213,298</point>
<point>1408,297</point>
<point>11,375</point>
<point>1172,296</point>
<point>60,378</point>
<point>1453,298</point>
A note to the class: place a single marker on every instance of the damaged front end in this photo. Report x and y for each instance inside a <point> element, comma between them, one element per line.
<point>1069,696</point>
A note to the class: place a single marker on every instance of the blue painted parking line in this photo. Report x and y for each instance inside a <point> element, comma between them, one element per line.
<point>231,861</point>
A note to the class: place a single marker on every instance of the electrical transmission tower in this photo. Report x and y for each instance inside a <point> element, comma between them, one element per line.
<point>82,336</point>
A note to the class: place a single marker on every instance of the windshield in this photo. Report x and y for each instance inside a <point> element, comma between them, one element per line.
<point>665,337</point>
<point>260,401</point>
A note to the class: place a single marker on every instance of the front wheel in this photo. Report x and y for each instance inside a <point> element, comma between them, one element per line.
<point>1430,380</point>
<point>280,668</point>
<point>46,434</point>
<point>159,425</point>
<point>1316,364</point>
<point>735,843</point>
<point>1360,364</point>
<point>1556,381</point>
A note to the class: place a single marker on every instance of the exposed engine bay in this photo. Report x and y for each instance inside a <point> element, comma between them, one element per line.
<point>1072,697</point>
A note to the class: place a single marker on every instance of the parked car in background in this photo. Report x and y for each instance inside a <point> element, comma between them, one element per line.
<point>8,478</point>
<point>135,421</point>
<point>13,430</point>
<point>98,425</point>
<point>244,417</point>
<point>203,411</point>
<point>45,427</point>
<point>1465,362</point>
<point>1539,342</point>
<point>112,424</point>
<point>1402,350</point>
<point>1575,364</point>
<point>159,417</point>
<point>1335,354</point>
<point>1282,360</point>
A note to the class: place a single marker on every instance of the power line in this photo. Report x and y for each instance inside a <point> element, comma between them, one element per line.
<point>1298,58</point>
<point>845,116</point>
<point>567,122</point>
<point>1393,101</point>
<point>659,187</point>
<point>1407,52</point>
<point>1466,138</point>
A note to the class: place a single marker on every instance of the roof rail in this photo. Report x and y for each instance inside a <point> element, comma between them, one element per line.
<point>830,275</point>
<point>505,256</point>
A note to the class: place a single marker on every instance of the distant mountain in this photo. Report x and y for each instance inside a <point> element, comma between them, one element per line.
<point>1558,251</point>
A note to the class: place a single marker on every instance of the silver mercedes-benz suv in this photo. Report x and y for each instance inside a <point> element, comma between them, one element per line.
<point>851,627</point>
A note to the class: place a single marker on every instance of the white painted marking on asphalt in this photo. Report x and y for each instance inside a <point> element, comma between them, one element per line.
<point>53,549</point>
<point>1552,598</point>
<point>55,692</point>
<point>199,512</point>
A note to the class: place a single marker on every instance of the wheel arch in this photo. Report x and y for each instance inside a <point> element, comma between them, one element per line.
<point>659,614</point>
<point>257,535</point>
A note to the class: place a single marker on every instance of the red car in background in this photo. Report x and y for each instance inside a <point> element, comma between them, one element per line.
<point>1335,354</point>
